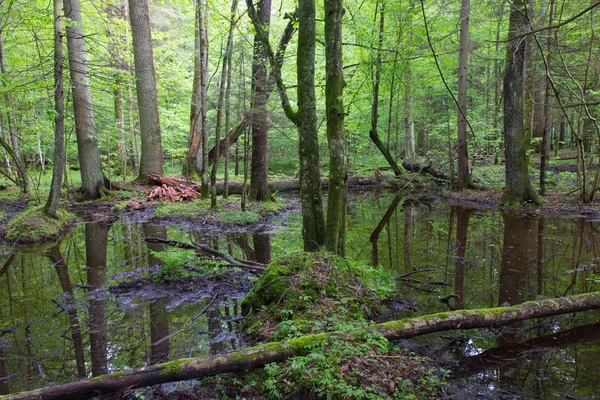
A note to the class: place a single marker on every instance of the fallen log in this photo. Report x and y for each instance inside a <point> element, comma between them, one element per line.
<point>258,356</point>
<point>426,168</point>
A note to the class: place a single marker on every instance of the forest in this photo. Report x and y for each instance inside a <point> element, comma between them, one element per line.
<point>219,119</point>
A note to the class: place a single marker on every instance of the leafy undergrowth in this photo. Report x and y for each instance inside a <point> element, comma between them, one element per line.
<point>318,292</point>
<point>35,226</point>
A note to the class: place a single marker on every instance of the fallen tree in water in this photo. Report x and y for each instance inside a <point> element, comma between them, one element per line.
<point>258,356</point>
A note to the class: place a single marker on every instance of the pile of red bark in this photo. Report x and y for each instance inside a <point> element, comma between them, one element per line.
<point>173,189</point>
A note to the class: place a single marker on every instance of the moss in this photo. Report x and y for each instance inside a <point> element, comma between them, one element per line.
<point>305,342</point>
<point>35,226</point>
<point>268,207</point>
<point>234,217</point>
<point>191,209</point>
<point>307,293</point>
<point>173,367</point>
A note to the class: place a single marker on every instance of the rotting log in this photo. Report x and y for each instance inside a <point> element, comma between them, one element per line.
<point>425,168</point>
<point>258,356</point>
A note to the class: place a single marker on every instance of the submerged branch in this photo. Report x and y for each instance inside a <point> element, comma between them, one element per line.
<point>235,262</point>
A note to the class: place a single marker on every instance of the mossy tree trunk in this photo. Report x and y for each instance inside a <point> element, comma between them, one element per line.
<point>518,189</point>
<point>335,230</point>
<point>93,181</point>
<point>59,119</point>
<point>259,188</point>
<point>311,197</point>
<point>258,356</point>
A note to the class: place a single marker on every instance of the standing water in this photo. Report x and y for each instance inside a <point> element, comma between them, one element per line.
<point>104,300</point>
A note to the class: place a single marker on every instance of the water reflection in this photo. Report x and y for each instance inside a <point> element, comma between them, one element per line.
<point>492,259</point>
<point>88,305</point>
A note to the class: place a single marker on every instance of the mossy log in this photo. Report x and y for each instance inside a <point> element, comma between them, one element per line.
<point>254,357</point>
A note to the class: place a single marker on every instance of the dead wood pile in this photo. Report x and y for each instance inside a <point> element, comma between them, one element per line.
<point>173,189</point>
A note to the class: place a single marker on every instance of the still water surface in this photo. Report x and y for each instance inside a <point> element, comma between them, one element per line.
<point>87,306</point>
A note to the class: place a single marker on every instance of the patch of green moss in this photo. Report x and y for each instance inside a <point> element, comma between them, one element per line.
<point>184,209</point>
<point>309,293</point>
<point>35,226</point>
<point>234,217</point>
<point>275,206</point>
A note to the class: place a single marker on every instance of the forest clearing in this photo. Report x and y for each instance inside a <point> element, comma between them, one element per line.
<point>281,199</point>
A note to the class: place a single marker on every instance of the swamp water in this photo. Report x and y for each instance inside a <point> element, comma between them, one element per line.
<point>88,305</point>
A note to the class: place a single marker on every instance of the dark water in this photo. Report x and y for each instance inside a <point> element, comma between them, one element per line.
<point>87,305</point>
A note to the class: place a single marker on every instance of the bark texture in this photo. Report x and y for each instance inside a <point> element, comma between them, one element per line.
<point>517,190</point>
<point>93,182</point>
<point>259,189</point>
<point>254,357</point>
<point>335,229</point>
<point>151,161</point>
<point>313,224</point>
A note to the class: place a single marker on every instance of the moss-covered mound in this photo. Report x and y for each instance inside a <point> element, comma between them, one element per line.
<point>319,292</point>
<point>312,292</point>
<point>35,226</point>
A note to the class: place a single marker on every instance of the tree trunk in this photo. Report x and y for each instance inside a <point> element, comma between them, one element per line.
<point>375,104</point>
<point>308,145</point>
<point>335,229</point>
<point>59,119</point>
<point>258,356</point>
<point>464,178</point>
<point>517,190</point>
<point>259,190</point>
<point>305,118</point>
<point>151,161</point>
<point>93,181</point>
<point>547,133</point>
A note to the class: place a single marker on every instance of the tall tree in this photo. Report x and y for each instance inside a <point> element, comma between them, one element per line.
<point>305,119</point>
<point>151,161</point>
<point>547,133</point>
<point>93,181</point>
<point>517,189</point>
<point>464,178</point>
<point>197,157</point>
<point>59,118</point>
<point>335,229</point>
<point>259,188</point>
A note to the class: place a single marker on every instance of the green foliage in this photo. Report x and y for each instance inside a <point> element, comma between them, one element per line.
<point>362,368</point>
<point>234,217</point>
<point>34,226</point>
